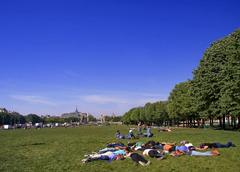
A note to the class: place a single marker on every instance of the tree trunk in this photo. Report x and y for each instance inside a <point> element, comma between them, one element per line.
<point>220,122</point>
<point>228,121</point>
<point>238,126</point>
<point>234,122</point>
<point>203,122</point>
<point>224,125</point>
<point>198,123</point>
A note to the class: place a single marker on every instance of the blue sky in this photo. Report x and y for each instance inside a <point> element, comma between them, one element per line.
<point>103,56</point>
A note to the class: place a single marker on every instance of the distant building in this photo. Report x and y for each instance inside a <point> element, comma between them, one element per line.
<point>83,117</point>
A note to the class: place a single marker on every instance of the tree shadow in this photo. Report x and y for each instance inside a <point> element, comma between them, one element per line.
<point>33,144</point>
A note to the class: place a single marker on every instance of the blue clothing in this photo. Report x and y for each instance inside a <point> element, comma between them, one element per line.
<point>181,148</point>
<point>130,135</point>
<point>110,157</point>
<point>115,144</point>
<point>106,150</point>
<point>148,132</point>
<point>196,153</point>
<point>119,152</point>
<point>120,136</point>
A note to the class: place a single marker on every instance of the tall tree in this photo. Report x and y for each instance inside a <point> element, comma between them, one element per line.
<point>181,103</point>
<point>216,80</point>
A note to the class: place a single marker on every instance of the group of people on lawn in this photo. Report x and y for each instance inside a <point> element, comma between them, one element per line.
<point>159,150</point>
<point>130,135</point>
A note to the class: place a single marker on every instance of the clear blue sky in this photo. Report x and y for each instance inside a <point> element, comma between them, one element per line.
<point>103,56</point>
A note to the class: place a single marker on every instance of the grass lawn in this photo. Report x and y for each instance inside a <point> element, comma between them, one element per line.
<point>61,149</point>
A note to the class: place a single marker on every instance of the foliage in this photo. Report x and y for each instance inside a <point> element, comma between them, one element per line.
<point>33,118</point>
<point>151,113</point>
<point>216,81</point>
<point>11,118</point>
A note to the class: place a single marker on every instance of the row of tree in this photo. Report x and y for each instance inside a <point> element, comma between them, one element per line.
<point>12,118</point>
<point>16,118</point>
<point>212,94</point>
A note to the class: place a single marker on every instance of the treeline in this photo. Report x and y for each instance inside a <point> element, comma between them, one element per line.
<point>12,118</point>
<point>213,94</point>
<point>113,118</point>
<point>151,113</point>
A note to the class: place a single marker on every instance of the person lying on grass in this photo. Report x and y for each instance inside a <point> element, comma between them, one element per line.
<point>153,153</point>
<point>108,156</point>
<point>164,130</point>
<point>105,155</point>
<point>112,145</point>
<point>153,145</point>
<point>111,149</point>
<point>168,147</point>
<point>138,159</point>
<point>213,152</point>
<point>149,145</point>
<point>178,150</point>
<point>136,146</point>
<point>187,148</point>
<point>205,146</point>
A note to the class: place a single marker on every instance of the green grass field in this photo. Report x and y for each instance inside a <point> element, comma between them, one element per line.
<point>61,149</point>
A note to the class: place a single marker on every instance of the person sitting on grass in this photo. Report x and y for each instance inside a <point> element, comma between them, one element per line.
<point>153,153</point>
<point>205,146</point>
<point>138,159</point>
<point>148,132</point>
<point>118,135</point>
<point>139,129</point>
<point>130,135</point>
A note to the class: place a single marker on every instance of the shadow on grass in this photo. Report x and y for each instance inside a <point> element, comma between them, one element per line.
<point>32,144</point>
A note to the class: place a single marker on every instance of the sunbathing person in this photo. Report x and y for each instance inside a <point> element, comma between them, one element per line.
<point>108,156</point>
<point>164,130</point>
<point>138,159</point>
<point>111,149</point>
<point>138,146</point>
<point>153,153</point>
<point>168,147</point>
<point>102,154</point>
<point>205,146</point>
<point>213,152</point>
<point>110,145</point>
<point>153,145</point>
<point>179,150</point>
<point>130,144</point>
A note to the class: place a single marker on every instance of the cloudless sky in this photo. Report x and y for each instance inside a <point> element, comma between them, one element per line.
<point>103,56</point>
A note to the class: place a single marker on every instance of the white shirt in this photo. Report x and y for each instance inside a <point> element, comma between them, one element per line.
<point>145,152</point>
